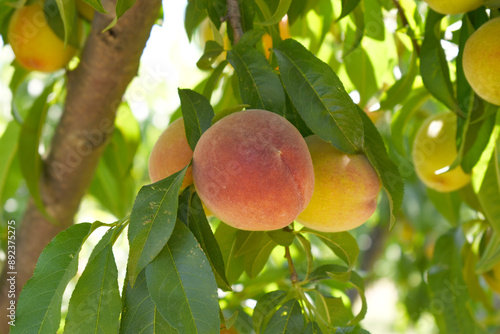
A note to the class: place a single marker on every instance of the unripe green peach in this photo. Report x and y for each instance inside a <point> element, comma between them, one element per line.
<point>34,43</point>
<point>171,153</point>
<point>253,170</point>
<point>481,61</point>
<point>345,190</point>
<point>454,6</point>
<point>434,150</point>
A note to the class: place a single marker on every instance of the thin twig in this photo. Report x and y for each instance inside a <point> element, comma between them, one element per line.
<point>404,20</point>
<point>234,18</point>
<point>293,274</point>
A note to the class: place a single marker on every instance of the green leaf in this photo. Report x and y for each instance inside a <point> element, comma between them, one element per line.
<point>228,243</point>
<point>491,254</point>
<point>96,4</point>
<point>193,18</point>
<point>343,244</point>
<point>213,80</point>
<point>29,142</point>
<point>399,92</point>
<point>265,307</point>
<point>210,54</point>
<point>359,285</point>
<point>347,7</point>
<point>288,319</point>
<point>216,9</point>
<point>320,97</point>
<point>255,247</point>
<point>293,116</point>
<point>448,204</point>
<point>362,74</point>
<point>309,257</point>
<point>399,133</point>
<point>331,271</point>
<point>374,20</point>
<point>353,39</point>
<point>331,309</point>
<point>351,330</point>
<point>489,193</point>
<point>182,285</point>
<point>433,65</point>
<point>448,287</point>
<point>256,256</point>
<point>122,6</point>
<point>39,307</point>
<point>259,86</point>
<point>282,9</point>
<point>476,133</point>
<point>197,113</point>
<point>62,18</point>
<point>387,171</point>
<point>140,314</point>
<point>10,178</point>
<point>313,328</point>
<point>486,179</point>
<point>282,237</point>
<point>152,221</point>
<point>199,226</point>
<point>95,304</point>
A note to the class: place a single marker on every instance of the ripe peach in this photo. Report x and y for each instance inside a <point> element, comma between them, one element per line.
<point>481,61</point>
<point>171,153</point>
<point>434,150</point>
<point>34,43</point>
<point>253,171</point>
<point>345,190</point>
<point>454,6</point>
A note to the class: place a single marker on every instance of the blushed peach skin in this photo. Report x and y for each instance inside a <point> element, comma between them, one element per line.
<point>34,43</point>
<point>252,169</point>
<point>481,61</point>
<point>345,190</point>
<point>170,154</point>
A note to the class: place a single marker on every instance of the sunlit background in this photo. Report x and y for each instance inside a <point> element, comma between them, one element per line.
<point>168,63</point>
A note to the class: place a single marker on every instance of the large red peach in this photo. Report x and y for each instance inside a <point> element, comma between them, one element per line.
<point>345,192</point>
<point>253,170</point>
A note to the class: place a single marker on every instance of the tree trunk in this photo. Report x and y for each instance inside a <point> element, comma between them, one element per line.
<point>95,89</point>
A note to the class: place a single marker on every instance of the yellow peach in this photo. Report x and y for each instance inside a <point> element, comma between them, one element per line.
<point>481,61</point>
<point>345,190</point>
<point>34,43</point>
<point>434,150</point>
<point>454,6</point>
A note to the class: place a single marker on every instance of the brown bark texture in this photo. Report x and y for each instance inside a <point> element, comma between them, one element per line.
<point>109,61</point>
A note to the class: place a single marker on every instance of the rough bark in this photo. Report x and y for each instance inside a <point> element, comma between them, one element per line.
<point>95,88</point>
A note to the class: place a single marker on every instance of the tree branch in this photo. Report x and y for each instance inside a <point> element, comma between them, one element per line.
<point>234,18</point>
<point>95,89</point>
<point>405,22</point>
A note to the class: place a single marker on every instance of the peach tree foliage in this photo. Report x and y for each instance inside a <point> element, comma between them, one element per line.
<point>179,262</point>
